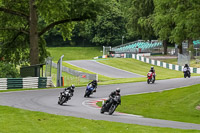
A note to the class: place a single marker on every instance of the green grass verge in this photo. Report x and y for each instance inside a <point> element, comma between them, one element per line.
<point>74,53</point>
<point>13,120</point>
<point>142,68</point>
<point>100,77</point>
<point>177,105</point>
<point>69,79</point>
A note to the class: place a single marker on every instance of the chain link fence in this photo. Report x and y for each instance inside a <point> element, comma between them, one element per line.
<point>77,73</point>
<point>48,66</point>
<point>183,59</point>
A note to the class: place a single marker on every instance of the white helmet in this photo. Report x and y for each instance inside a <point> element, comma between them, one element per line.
<point>118,90</point>
<point>73,86</point>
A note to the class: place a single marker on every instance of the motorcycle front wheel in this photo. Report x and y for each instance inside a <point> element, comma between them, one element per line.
<point>148,81</point>
<point>102,110</point>
<point>62,100</point>
<point>112,109</point>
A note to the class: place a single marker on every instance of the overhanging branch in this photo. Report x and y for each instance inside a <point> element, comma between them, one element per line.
<point>20,30</point>
<point>61,22</point>
<point>14,38</point>
<point>9,11</point>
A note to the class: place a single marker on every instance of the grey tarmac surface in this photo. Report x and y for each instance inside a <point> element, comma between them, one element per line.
<point>46,101</point>
<point>103,69</point>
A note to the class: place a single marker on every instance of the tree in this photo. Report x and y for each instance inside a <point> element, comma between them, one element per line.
<point>187,19</point>
<point>24,22</point>
<point>163,23</point>
<point>140,22</point>
<point>177,20</point>
<point>108,28</point>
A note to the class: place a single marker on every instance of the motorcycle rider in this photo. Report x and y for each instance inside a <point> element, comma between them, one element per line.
<point>94,85</point>
<point>113,94</point>
<point>186,68</point>
<point>71,90</point>
<point>153,71</point>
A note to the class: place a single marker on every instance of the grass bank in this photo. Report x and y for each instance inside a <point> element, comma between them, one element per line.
<point>74,53</point>
<point>15,120</point>
<point>177,105</point>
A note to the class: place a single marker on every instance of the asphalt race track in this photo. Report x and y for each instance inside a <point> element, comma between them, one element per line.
<point>78,106</point>
<point>103,69</point>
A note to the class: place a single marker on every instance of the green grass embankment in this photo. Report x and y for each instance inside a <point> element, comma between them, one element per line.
<point>74,53</point>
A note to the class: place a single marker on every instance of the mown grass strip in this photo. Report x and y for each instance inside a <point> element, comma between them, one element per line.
<point>13,120</point>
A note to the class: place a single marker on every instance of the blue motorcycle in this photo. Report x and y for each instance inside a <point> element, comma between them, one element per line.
<point>89,90</point>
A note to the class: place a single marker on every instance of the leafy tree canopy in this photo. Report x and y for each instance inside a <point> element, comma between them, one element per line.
<point>24,22</point>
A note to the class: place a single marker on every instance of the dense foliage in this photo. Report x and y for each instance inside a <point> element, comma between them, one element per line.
<point>24,23</point>
<point>8,70</point>
<point>27,26</point>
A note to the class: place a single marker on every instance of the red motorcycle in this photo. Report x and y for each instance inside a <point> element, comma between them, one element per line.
<point>151,77</point>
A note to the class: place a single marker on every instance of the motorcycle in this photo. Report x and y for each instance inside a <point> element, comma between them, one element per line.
<point>186,73</point>
<point>150,77</point>
<point>111,105</point>
<point>64,97</point>
<point>89,90</point>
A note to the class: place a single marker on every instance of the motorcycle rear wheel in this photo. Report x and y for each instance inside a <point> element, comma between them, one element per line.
<point>102,111</point>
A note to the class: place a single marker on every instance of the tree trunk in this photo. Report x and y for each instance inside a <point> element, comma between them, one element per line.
<point>191,47</point>
<point>180,48</point>
<point>165,46</point>
<point>34,51</point>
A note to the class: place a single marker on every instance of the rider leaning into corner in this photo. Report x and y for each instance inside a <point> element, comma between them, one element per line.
<point>71,89</point>
<point>94,85</point>
<point>153,71</point>
<point>113,94</point>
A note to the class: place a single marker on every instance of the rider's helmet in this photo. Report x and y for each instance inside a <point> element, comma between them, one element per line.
<point>72,86</point>
<point>95,81</point>
<point>151,67</point>
<point>118,90</point>
<point>186,65</point>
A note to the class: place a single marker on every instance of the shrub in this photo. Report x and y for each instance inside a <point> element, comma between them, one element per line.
<point>8,70</point>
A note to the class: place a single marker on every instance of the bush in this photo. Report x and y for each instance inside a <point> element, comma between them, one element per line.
<point>8,70</point>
